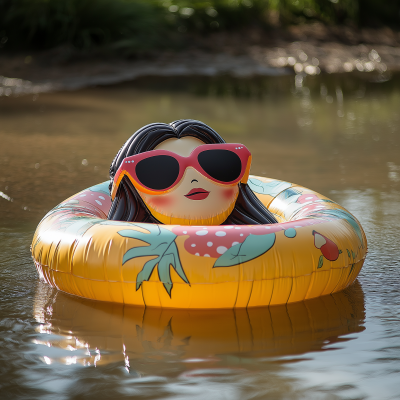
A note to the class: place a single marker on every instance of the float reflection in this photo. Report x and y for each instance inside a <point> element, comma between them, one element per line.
<point>93,333</point>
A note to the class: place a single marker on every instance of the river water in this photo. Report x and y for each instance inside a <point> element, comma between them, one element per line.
<point>336,134</point>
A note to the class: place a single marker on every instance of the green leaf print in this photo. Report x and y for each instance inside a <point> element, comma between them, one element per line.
<point>101,187</point>
<point>161,245</point>
<point>253,247</point>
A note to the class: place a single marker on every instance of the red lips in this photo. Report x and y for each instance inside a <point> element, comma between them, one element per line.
<point>197,194</point>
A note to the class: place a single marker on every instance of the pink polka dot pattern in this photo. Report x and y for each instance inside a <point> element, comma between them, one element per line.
<point>213,241</point>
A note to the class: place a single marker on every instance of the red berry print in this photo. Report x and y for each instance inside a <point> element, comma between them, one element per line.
<point>213,241</point>
<point>328,248</point>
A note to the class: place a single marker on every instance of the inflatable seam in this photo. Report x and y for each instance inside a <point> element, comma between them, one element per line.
<point>210,283</point>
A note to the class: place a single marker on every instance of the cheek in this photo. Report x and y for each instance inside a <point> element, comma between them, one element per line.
<point>229,193</point>
<point>160,201</point>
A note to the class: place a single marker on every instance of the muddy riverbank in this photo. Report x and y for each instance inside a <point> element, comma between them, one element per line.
<point>307,50</point>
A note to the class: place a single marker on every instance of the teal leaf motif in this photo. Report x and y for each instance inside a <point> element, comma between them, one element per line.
<point>101,187</point>
<point>272,188</point>
<point>320,262</point>
<point>253,247</point>
<point>162,246</point>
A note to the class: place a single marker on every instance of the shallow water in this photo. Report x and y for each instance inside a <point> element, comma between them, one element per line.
<point>339,135</point>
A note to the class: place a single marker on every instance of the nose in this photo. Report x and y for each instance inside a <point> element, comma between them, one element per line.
<point>193,180</point>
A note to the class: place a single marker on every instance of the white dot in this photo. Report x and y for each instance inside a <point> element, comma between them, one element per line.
<point>238,228</point>
<point>220,233</point>
<point>82,195</point>
<point>228,227</point>
<point>267,227</point>
<point>241,234</point>
<point>185,232</point>
<point>101,197</point>
<point>221,249</point>
<point>193,245</point>
<point>98,202</point>
<point>206,255</point>
<point>308,198</point>
<point>235,243</point>
<point>197,254</point>
<point>201,233</point>
<point>209,244</point>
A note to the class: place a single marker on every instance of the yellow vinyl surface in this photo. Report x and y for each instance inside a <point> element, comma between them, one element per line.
<point>318,248</point>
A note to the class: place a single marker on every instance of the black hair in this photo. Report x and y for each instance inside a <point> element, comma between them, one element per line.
<point>129,206</point>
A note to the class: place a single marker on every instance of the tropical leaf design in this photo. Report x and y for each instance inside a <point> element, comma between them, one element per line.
<point>253,247</point>
<point>272,188</point>
<point>101,187</point>
<point>351,269</point>
<point>162,246</point>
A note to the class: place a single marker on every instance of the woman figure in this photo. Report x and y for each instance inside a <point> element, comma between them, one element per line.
<point>185,174</point>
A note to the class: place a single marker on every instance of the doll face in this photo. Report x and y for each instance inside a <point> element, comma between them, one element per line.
<point>195,199</point>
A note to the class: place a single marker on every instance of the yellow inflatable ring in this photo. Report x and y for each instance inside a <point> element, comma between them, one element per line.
<point>317,248</point>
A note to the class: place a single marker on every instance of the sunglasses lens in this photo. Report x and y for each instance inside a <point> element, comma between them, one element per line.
<point>222,165</point>
<point>158,172</point>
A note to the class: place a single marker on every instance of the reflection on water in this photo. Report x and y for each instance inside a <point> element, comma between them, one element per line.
<point>338,135</point>
<point>95,332</point>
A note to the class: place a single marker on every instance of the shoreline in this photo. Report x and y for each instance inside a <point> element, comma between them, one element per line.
<point>303,50</point>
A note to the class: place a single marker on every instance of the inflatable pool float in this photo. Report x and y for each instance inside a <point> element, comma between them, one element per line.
<point>317,248</point>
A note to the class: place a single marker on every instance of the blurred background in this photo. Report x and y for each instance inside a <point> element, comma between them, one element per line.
<point>202,37</point>
<point>311,87</point>
<point>134,27</point>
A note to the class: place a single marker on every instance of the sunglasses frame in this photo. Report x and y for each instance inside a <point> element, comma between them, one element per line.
<point>127,167</point>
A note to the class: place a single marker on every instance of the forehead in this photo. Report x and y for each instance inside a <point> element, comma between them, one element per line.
<point>183,146</point>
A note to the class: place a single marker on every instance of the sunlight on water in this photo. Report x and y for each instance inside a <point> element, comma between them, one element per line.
<point>338,135</point>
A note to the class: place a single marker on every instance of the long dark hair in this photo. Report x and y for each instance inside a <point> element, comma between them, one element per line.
<point>129,206</point>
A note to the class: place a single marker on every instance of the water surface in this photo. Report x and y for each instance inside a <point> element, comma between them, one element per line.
<point>339,135</point>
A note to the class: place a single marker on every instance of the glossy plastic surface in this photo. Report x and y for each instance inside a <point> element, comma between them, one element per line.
<point>318,248</point>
